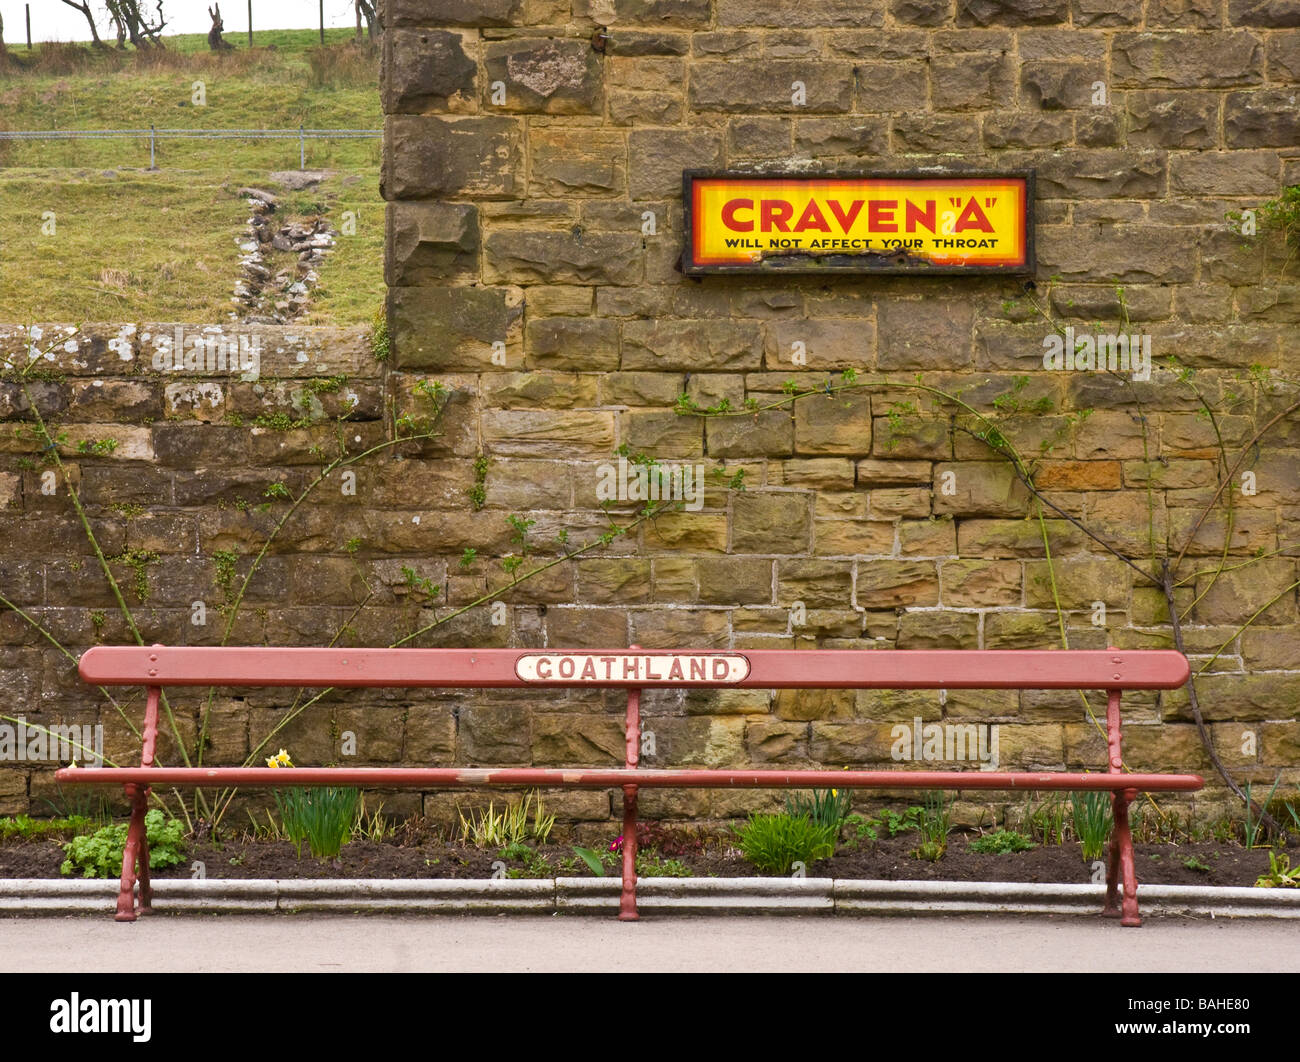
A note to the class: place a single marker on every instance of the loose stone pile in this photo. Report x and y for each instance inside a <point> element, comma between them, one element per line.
<point>266,294</point>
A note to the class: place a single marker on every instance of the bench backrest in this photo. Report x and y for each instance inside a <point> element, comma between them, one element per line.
<point>1109,669</point>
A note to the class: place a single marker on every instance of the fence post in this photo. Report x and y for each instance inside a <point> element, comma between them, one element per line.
<point>152,165</point>
<point>250,23</point>
<point>302,149</point>
<point>28,9</point>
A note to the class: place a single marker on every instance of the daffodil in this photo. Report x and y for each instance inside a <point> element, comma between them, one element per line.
<point>280,759</point>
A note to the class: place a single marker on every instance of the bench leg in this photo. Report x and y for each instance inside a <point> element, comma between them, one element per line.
<point>1111,908</point>
<point>1121,865</point>
<point>136,848</point>
<point>146,889</point>
<point>627,911</point>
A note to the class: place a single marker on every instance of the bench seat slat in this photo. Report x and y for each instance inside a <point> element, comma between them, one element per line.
<point>456,777</point>
<point>1124,669</point>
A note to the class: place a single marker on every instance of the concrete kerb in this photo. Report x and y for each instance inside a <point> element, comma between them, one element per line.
<point>54,896</point>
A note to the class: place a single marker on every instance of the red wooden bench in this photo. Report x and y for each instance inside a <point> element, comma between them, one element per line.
<point>1112,670</point>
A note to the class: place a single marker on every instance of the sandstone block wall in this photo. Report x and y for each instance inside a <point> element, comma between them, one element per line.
<point>533,161</point>
<point>529,140</point>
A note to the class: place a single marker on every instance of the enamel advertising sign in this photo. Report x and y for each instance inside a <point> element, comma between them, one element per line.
<point>907,223</point>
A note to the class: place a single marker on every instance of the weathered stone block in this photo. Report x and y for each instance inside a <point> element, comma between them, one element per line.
<point>929,334</point>
<point>747,87</point>
<point>1186,60</point>
<point>426,70</point>
<point>854,538</point>
<point>1103,174</point>
<point>838,425</point>
<point>689,13</point>
<point>1055,86</point>
<point>898,87</point>
<point>1097,13</point>
<point>821,137</point>
<point>545,75</point>
<point>938,630</point>
<point>448,329</point>
<point>893,584</point>
<point>770,433</point>
<point>823,343</point>
<point>1012,12</point>
<point>692,346</point>
<point>577,162</point>
<point>939,134</point>
<point>801,13</point>
<point>771,522</point>
<point>656,158</point>
<point>971,81</point>
<point>455,12</point>
<point>494,733</point>
<point>426,157</point>
<point>921,12</point>
<point>1184,14</point>
<point>981,583</point>
<point>1271,14</point>
<point>1173,119</point>
<point>1231,173</point>
<point>1020,129</point>
<point>978,488</point>
<point>584,344</point>
<point>557,741</point>
<point>540,256</point>
<point>1262,118</point>
<point>428,242</point>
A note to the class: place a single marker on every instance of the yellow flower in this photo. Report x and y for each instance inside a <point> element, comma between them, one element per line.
<point>280,759</point>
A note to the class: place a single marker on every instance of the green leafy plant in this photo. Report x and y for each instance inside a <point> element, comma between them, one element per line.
<point>1092,818</point>
<point>29,829</point>
<point>592,859</point>
<point>774,843</point>
<point>489,828</point>
<point>99,447</point>
<point>1002,842</point>
<point>380,345</point>
<point>1192,863</point>
<point>1280,873</point>
<point>535,865</point>
<point>1253,823</point>
<point>478,492</point>
<point>934,826</point>
<point>324,818</point>
<point>99,854</point>
<point>825,807</point>
<point>372,825</point>
<point>861,828</point>
<point>1045,822</point>
<point>896,823</point>
<point>651,865</point>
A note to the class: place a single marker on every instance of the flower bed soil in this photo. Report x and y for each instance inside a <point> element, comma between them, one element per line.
<point>886,859</point>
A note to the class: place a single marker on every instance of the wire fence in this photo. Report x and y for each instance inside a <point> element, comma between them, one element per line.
<point>153,135</point>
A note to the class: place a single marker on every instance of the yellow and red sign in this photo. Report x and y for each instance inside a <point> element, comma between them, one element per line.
<point>953,223</point>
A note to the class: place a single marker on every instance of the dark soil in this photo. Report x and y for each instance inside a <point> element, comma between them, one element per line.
<point>886,859</point>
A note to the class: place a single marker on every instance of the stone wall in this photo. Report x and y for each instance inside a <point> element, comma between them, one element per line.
<point>529,140</point>
<point>528,144</point>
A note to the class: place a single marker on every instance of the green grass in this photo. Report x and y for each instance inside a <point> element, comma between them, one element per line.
<point>29,829</point>
<point>138,245</point>
<point>107,261</point>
